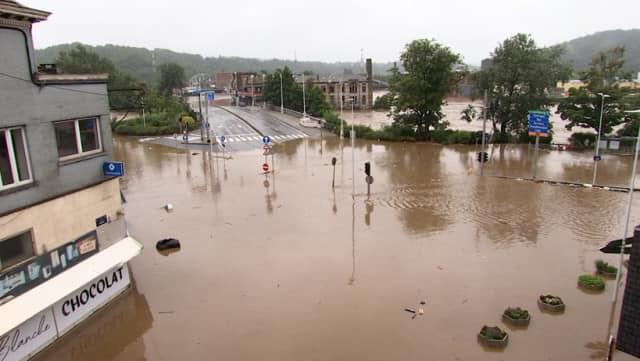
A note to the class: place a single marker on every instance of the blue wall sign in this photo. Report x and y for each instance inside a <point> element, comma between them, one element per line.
<point>113,169</point>
<point>538,123</point>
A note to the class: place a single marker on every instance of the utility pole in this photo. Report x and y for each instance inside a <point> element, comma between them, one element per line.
<point>353,161</point>
<point>144,119</point>
<point>341,115</point>
<point>304,101</point>
<point>281,95</point>
<point>201,116</point>
<point>484,130</point>
<point>596,155</point>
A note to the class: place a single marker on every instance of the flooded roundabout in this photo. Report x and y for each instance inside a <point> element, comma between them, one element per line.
<point>282,267</point>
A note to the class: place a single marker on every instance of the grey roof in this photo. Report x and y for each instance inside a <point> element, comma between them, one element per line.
<point>14,10</point>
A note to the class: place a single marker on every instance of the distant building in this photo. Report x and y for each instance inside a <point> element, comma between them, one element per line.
<point>345,90</point>
<point>223,80</point>
<point>63,242</point>
<point>246,88</point>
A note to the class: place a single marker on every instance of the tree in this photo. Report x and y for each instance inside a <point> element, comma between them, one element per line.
<point>171,77</point>
<point>420,90</point>
<point>517,80</point>
<point>469,114</point>
<point>316,102</point>
<point>583,106</point>
<point>82,60</point>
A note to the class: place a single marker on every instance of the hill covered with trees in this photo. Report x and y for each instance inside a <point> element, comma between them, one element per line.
<point>142,63</point>
<point>580,51</point>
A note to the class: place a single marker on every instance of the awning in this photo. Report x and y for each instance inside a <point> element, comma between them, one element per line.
<point>27,305</point>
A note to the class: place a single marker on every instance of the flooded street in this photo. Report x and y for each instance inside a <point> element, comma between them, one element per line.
<point>280,267</point>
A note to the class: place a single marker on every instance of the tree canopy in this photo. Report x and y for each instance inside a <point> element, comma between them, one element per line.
<point>316,102</point>
<point>583,106</point>
<point>517,80</point>
<point>171,77</point>
<point>82,60</point>
<point>421,89</point>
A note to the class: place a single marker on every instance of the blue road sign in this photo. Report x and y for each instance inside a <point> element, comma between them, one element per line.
<point>113,169</point>
<point>222,139</point>
<point>211,96</point>
<point>266,139</point>
<point>538,123</point>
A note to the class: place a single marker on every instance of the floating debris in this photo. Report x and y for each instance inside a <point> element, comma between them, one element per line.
<point>167,243</point>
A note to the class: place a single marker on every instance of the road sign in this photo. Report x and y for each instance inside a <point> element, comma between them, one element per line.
<point>265,167</point>
<point>369,179</point>
<point>113,169</point>
<point>597,158</point>
<point>211,96</point>
<point>266,139</point>
<point>538,123</point>
<point>222,139</point>
<point>267,151</point>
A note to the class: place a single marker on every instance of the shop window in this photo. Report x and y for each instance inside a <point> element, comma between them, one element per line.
<point>77,137</point>
<point>16,249</point>
<point>14,158</point>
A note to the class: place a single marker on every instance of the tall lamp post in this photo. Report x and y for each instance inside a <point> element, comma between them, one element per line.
<point>281,95</point>
<point>304,100</point>
<point>596,155</point>
<point>253,95</point>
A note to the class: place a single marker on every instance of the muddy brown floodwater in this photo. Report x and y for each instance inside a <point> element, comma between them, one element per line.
<point>282,268</point>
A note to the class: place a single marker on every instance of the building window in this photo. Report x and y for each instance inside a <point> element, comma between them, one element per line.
<point>364,100</point>
<point>14,159</point>
<point>77,137</point>
<point>16,249</point>
<point>332,89</point>
<point>364,88</point>
<point>353,87</point>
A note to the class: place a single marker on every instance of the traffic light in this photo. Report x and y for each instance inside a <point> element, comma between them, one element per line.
<point>334,161</point>
<point>485,157</point>
<point>367,168</point>
<point>479,156</point>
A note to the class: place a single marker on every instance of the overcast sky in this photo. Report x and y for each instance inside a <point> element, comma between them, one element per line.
<point>326,30</point>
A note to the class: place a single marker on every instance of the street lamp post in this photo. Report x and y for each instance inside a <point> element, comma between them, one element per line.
<point>253,95</point>
<point>596,156</point>
<point>281,95</point>
<point>341,115</point>
<point>304,99</point>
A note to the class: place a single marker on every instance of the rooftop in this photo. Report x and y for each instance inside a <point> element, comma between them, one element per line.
<point>72,78</point>
<point>10,9</point>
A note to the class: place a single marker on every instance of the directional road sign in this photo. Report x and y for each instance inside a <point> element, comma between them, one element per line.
<point>538,123</point>
<point>266,139</point>
<point>113,169</point>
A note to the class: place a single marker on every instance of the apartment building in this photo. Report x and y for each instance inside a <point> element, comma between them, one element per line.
<point>63,242</point>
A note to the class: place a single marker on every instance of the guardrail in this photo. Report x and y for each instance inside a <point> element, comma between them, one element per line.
<point>276,108</point>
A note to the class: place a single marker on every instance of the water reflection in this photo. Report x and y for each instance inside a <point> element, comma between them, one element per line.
<point>114,333</point>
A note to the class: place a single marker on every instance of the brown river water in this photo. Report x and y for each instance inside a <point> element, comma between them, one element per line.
<point>280,267</point>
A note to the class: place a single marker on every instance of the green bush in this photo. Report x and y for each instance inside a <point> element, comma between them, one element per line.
<point>604,267</point>
<point>517,313</point>
<point>492,333</point>
<point>154,124</point>
<point>383,102</point>
<point>580,140</point>
<point>449,136</point>
<point>551,300</point>
<point>592,282</point>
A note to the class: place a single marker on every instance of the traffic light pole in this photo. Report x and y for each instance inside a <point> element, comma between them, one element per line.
<point>535,158</point>
<point>484,129</point>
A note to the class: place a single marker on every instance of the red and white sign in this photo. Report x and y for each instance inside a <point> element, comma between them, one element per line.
<point>265,167</point>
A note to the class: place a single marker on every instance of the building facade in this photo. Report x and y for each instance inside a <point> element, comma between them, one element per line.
<point>63,240</point>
